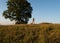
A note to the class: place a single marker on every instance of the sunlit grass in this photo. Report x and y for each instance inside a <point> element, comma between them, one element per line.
<point>33,33</point>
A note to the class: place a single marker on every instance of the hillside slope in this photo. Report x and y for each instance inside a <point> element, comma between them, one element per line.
<point>34,33</point>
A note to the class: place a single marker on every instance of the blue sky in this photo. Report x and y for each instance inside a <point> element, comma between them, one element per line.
<point>43,11</point>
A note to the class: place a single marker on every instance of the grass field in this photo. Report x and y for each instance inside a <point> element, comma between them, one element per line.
<point>32,33</point>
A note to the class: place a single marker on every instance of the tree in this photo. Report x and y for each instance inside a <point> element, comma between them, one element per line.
<point>18,10</point>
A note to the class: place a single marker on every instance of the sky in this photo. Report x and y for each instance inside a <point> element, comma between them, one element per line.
<point>43,11</point>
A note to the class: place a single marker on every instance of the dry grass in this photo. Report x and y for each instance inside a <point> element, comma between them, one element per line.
<point>33,33</point>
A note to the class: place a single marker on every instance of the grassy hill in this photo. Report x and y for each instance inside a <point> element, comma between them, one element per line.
<point>33,33</point>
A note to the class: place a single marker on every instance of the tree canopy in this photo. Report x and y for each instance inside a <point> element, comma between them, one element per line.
<point>18,10</point>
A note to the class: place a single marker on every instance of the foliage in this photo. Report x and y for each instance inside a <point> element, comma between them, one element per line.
<point>18,10</point>
<point>38,33</point>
